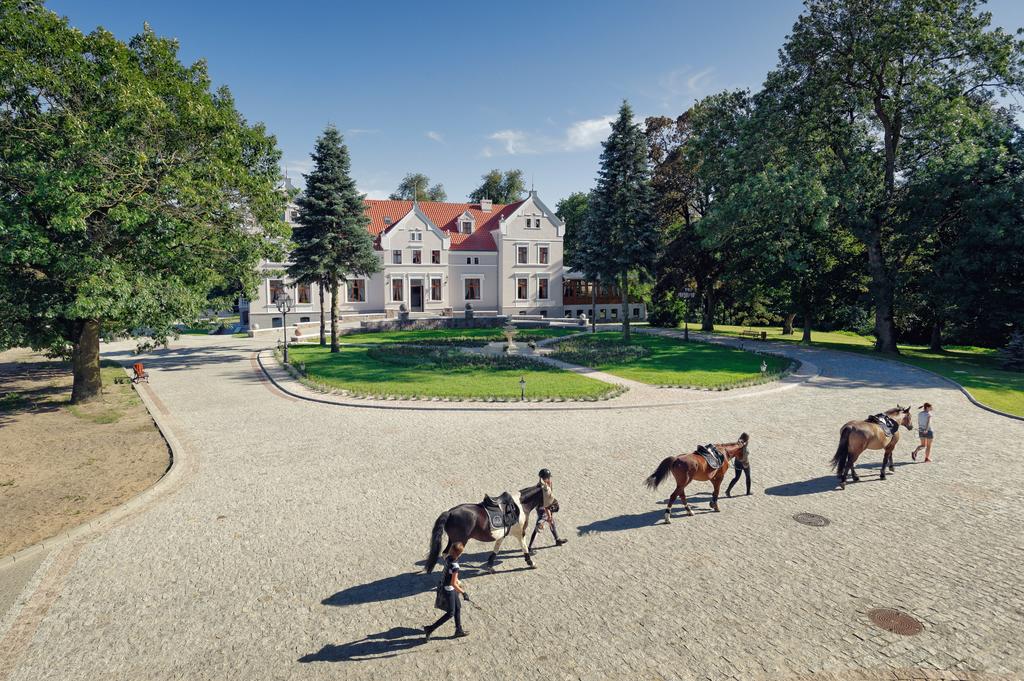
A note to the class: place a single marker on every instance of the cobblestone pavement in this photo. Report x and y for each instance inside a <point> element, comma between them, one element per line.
<point>291,552</point>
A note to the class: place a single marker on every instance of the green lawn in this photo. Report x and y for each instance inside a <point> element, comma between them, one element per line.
<point>667,361</point>
<point>466,337</point>
<point>977,369</point>
<point>396,371</point>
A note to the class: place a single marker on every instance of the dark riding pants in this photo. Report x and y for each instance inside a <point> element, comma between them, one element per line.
<point>536,529</point>
<point>739,472</point>
<point>454,610</point>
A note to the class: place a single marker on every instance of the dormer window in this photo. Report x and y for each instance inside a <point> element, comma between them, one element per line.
<point>466,223</point>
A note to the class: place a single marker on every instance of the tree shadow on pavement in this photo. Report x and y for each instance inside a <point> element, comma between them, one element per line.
<point>390,643</point>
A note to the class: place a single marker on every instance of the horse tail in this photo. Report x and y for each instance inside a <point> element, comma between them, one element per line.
<point>435,542</point>
<point>659,475</point>
<point>842,457</point>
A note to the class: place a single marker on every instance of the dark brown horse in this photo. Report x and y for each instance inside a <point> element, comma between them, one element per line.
<point>856,436</point>
<point>693,466</point>
<point>469,521</point>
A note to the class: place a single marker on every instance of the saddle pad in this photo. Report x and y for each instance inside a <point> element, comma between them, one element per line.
<point>502,512</point>
<point>711,454</point>
<point>886,422</point>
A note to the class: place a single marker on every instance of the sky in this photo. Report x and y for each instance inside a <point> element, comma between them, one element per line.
<point>454,89</point>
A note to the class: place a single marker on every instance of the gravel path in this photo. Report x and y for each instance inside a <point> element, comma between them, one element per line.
<point>291,551</point>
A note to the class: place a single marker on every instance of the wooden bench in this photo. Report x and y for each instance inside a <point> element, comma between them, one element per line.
<point>751,333</point>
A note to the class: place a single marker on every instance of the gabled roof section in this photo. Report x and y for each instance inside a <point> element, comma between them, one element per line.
<point>446,217</point>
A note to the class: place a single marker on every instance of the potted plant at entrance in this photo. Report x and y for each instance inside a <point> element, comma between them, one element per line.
<point>403,313</point>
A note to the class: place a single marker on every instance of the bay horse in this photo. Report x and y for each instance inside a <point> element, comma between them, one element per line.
<point>856,436</point>
<point>469,521</point>
<point>693,466</point>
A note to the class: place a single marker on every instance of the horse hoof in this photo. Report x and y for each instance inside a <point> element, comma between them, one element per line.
<point>689,512</point>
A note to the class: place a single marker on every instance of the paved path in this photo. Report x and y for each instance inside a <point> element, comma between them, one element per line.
<point>290,552</point>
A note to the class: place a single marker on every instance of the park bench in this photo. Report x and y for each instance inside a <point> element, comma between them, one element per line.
<point>140,373</point>
<point>751,333</point>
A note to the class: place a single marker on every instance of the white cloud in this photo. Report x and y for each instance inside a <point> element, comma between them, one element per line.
<point>374,193</point>
<point>587,133</point>
<point>697,81</point>
<point>352,132</point>
<point>579,135</point>
<point>434,135</point>
<point>514,141</point>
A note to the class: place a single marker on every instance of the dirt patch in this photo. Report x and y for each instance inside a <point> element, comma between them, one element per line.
<point>61,465</point>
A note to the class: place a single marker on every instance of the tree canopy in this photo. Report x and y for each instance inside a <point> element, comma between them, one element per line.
<point>500,187</point>
<point>416,186</point>
<point>130,188</point>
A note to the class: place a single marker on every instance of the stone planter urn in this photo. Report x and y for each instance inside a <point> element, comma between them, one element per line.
<point>469,310</point>
<point>510,331</point>
<point>403,313</point>
<point>582,320</point>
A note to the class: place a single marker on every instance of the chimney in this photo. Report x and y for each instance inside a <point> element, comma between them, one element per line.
<point>486,205</point>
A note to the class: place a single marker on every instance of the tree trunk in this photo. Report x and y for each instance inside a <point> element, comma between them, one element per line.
<point>323,320</point>
<point>806,339</point>
<point>707,322</point>
<point>334,315</point>
<point>787,324</point>
<point>593,307</point>
<point>935,345</point>
<point>625,307</point>
<point>883,292</point>
<point>85,362</point>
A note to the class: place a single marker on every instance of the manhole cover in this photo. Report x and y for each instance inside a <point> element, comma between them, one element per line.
<point>896,621</point>
<point>812,519</point>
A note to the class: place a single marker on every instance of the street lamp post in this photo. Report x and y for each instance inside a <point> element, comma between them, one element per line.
<point>687,294</point>
<point>284,306</point>
<point>522,388</point>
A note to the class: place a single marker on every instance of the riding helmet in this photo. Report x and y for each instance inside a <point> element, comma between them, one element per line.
<point>544,474</point>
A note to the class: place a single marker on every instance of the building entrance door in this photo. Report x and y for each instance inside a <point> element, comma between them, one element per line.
<point>416,297</point>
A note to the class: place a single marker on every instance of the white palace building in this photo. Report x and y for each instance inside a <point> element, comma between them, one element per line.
<point>436,257</point>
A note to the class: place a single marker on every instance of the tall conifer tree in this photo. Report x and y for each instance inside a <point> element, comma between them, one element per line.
<point>620,237</point>
<point>333,222</point>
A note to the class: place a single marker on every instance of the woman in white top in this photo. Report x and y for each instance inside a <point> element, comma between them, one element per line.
<point>925,432</point>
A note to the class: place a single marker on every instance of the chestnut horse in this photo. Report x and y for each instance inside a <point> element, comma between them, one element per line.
<point>856,436</point>
<point>693,466</point>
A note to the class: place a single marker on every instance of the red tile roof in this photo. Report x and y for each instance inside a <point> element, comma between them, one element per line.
<point>445,216</point>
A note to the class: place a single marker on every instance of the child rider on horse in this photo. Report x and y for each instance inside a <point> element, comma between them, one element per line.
<point>546,515</point>
<point>449,591</point>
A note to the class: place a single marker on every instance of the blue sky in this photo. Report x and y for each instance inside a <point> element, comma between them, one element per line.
<point>454,89</point>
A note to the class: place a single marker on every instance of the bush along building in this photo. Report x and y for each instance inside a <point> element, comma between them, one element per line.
<point>439,257</point>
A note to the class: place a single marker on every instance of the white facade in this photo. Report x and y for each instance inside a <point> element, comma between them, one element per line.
<point>436,258</point>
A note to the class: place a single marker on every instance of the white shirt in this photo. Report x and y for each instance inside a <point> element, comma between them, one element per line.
<point>924,420</point>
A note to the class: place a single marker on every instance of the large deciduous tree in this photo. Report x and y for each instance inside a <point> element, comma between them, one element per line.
<point>621,237</point>
<point>417,187</point>
<point>500,187</point>
<point>332,209</point>
<point>885,85</point>
<point>128,189</point>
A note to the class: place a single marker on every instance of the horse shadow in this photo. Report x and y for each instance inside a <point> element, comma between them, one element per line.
<point>629,521</point>
<point>825,483</point>
<point>386,589</point>
<point>391,643</point>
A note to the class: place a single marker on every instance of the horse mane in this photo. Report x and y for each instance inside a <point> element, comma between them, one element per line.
<point>535,489</point>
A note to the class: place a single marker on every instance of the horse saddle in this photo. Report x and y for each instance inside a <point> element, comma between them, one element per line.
<point>886,423</point>
<point>502,512</point>
<point>711,454</point>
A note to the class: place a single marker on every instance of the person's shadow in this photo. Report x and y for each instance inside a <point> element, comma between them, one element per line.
<point>391,643</point>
